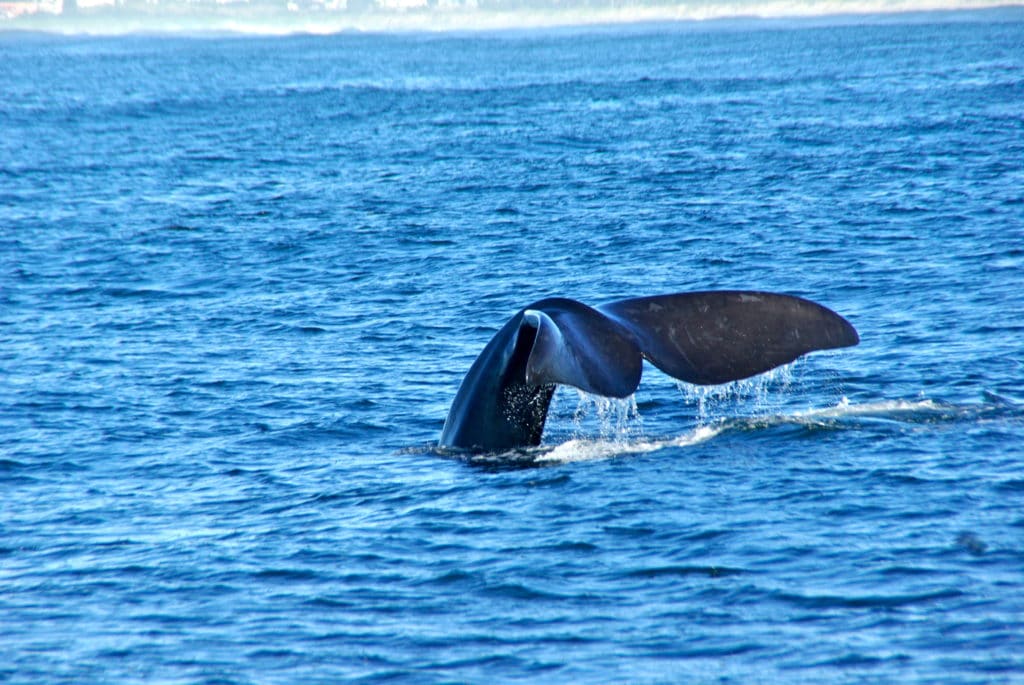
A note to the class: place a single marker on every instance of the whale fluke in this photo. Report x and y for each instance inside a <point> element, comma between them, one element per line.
<point>720,336</point>
<point>706,338</point>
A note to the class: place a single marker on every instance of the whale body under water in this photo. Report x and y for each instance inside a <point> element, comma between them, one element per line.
<point>705,338</point>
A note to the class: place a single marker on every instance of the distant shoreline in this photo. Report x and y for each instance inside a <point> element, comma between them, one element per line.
<point>272,21</point>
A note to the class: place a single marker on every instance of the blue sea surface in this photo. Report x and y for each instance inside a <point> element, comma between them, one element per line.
<point>241,279</point>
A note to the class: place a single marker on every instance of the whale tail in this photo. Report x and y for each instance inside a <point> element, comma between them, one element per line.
<point>702,337</point>
<point>706,338</point>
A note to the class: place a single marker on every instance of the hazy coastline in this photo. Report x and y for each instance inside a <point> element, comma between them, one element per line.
<point>285,17</point>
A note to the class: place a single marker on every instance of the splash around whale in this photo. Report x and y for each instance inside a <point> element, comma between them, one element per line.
<point>706,338</point>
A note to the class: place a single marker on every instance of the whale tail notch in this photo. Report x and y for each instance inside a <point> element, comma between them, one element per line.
<point>577,346</point>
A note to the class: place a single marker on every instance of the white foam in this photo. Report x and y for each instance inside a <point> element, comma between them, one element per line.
<point>880,408</point>
<point>619,442</point>
<point>582,449</point>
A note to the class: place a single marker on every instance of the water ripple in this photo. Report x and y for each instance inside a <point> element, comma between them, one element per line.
<point>237,299</point>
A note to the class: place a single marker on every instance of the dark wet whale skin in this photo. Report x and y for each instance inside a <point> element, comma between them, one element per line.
<point>706,338</point>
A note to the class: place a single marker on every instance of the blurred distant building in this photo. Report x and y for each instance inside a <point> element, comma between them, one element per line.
<point>15,8</point>
<point>399,5</point>
<point>260,8</point>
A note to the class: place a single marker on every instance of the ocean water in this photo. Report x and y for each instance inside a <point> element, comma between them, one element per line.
<point>241,279</point>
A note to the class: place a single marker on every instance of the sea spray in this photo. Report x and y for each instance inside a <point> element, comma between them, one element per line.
<point>760,395</point>
<point>618,420</point>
